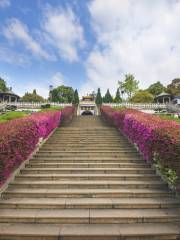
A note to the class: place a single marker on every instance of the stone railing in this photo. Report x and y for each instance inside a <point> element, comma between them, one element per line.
<point>28,105</point>
<point>173,108</point>
<point>138,105</point>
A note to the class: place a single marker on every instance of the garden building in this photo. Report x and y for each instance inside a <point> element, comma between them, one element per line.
<point>8,96</point>
<point>163,98</point>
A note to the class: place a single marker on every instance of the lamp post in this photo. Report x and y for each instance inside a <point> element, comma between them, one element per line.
<point>50,92</point>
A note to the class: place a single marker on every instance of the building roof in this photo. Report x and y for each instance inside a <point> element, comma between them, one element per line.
<point>8,92</point>
<point>163,94</point>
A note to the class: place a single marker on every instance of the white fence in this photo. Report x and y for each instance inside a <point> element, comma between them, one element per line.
<point>28,105</point>
<point>137,105</point>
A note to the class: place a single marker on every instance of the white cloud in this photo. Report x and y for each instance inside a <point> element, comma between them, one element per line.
<point>138,37</point>
<point>58,79</point>
<point>4,3</point>
<point>16,30</point>
<point>12,57</point>
<point>64,31</point>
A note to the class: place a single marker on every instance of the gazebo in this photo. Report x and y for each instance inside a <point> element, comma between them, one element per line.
<point>163,98</point>
<point>8,96</point>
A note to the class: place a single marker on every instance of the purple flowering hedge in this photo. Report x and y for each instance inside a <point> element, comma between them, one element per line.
<point>67,114</point>
<point>155,138</point>
<point>19,137</point>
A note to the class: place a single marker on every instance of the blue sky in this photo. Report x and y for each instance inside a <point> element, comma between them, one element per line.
<point>88,43</point>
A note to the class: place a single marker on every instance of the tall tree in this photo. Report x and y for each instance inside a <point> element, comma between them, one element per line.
<point>98,97</point>
<point>108,98</point>
<point>3,86</point>
<point>174,87</point>
<point>32,97</point>
<point>63,94</point>
<point>117,98</point>
<point>156,88</point>
<point>76,97</point>
<point>130,85</point>
<point>142,96</point>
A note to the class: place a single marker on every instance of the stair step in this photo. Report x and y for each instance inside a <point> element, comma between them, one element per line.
<point>90,203</point>
<point>134,231</point>
<point>85,165</point>
<point>85,193</point>
<point>92,216</point>
<point>90,158</point>
<point>54,184</point>
<point>88,170</point>
<point>47,176</point>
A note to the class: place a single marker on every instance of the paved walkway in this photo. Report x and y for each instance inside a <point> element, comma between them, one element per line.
<point>88,182</point>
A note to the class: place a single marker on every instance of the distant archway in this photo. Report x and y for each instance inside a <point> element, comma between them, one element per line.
<point>87,112</point>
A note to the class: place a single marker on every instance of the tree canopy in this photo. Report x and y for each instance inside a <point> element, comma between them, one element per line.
<point>76,97</point>
<point>142,96</point>
<point>174,87</point>
<point>117,98</point>
<point>32,97</point>
<point>108,98</point>
<point>3,86</point>
<point>130,85</point>
<point>156,88</point>
<point>98,97</point>
<point>63,94</point>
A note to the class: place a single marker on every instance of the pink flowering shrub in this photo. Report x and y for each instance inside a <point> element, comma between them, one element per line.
<point>46,121</point>
<point>67,114</point>
<point>107,113</point>
<point>18,139</point>
<point>153,136</point>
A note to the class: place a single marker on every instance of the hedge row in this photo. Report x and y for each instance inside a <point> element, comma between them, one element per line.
<point>155,138</point>
<point>18,138</point>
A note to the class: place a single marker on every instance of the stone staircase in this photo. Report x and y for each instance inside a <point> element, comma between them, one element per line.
<point>88,182</point>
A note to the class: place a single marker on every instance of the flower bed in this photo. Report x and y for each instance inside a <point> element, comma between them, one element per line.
<point>155,138</point>
<point>19,137</point>
<point>67,114</point>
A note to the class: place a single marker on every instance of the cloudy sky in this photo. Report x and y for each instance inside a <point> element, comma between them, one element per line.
<point>88,44</point>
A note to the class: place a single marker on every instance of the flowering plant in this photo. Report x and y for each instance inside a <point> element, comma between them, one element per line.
<point>152,135</point>
<point>19,137</point>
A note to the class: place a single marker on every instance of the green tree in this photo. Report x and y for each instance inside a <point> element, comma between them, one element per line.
<point>107,98</point>
<point>63,94</point>
<point>3,86</point>
<point>117,98</point>
<point>174,87</point>
<point>98,97</point>
<point>156,88</point>
<point>32,97</point>
<point>76,97</point>
<point>130,85</point>
<point>142,96</point>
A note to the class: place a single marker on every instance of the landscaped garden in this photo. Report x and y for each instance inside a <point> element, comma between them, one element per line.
<point>157,139</point>
<point>19,137</point>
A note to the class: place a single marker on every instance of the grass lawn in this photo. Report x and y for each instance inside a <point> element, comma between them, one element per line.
<point>169,117</point>
<point>51,108</point>
<point>11,115</point>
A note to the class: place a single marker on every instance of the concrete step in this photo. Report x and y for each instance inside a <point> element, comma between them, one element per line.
<point>91,216</point>
<point>85,193</point>
<point>88,184</point>
<point>89,203</point>
<point>79,160</point>
<point>85,165</point>
<point>134,231</point>
<point>88,170</point>
<point>90,158</point>
<point>131,150</point>
<point>85,176</point>
<point>89,154</point>
<point>86,148</point>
